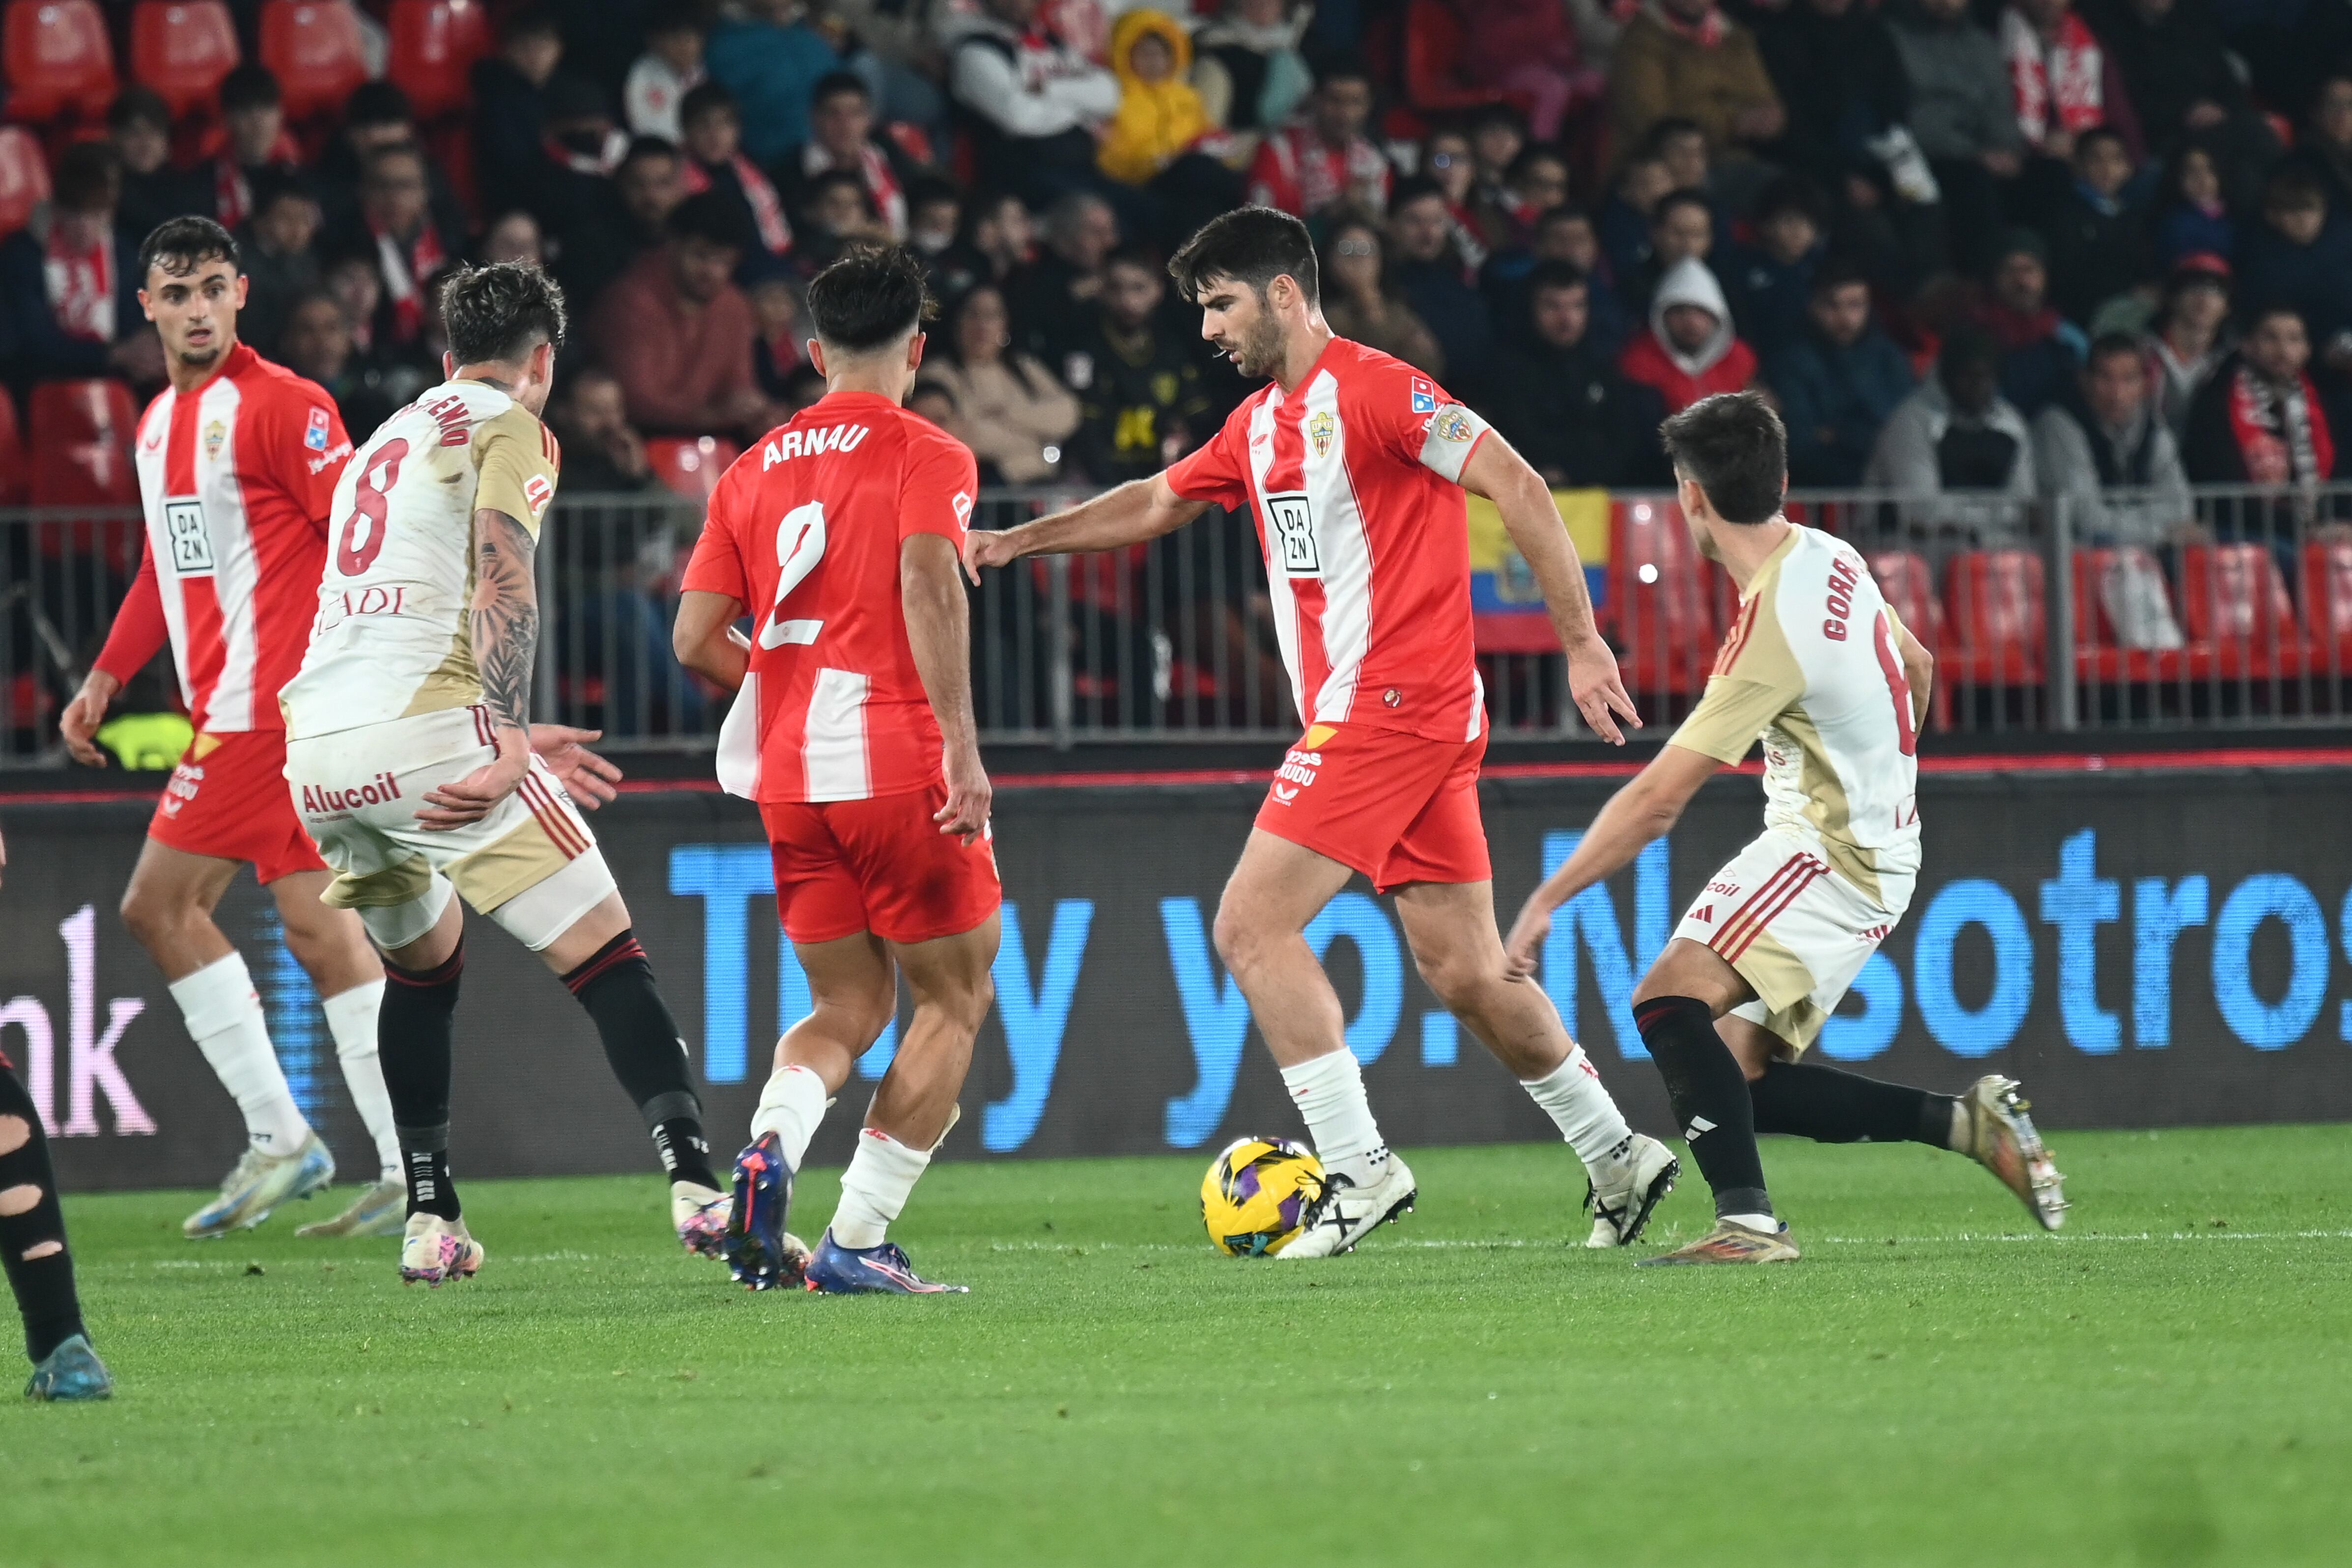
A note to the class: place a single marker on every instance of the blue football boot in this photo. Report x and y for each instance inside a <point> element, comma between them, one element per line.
<point>761,1254</point>
<point>72,1371</point>
<point>835,1270</point>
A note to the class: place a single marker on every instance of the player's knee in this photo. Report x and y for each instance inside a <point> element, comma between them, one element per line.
<point>1241,941</point>
<point>147,918</point>
<point>1453,978</point>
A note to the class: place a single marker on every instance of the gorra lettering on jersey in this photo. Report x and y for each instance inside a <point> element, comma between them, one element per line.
<point>1846,575</point>
<point>314,434</point>
<point>1424,396</point>
<point>790,444</point>
<point>456,424</point>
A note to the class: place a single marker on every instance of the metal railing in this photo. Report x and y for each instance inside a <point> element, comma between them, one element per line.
<point>2223,608</point>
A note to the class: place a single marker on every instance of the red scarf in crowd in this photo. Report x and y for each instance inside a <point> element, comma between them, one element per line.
<point>231,192</point>
<point>406,270</point>
<point>81,285</point>
<point>767,211</point>
<point>2283,439</point>
<point>1706,32</point>
<point>2058,85</point>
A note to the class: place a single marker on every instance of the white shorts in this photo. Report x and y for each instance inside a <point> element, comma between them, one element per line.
<point>531,865</point>
<point>1794,929</point>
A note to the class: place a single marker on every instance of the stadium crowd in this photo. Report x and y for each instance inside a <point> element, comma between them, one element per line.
<point>2020,249</point>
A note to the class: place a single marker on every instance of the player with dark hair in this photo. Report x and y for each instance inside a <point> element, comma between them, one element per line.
<point>238,459</point>
<point>853,729</point>
<point>1356,465</point>
<point>33,1250</point>
<point>1818,664</point>
<point>412,759</point>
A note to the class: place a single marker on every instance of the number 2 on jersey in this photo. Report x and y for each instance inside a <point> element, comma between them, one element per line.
<point>800,545</point>
<point>1898,685</point>
<point>370,505</point>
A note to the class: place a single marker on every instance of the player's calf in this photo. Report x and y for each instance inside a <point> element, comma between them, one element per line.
<point>616,986</point>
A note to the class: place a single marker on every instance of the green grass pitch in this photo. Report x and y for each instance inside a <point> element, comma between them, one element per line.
<point>2169,1381</point>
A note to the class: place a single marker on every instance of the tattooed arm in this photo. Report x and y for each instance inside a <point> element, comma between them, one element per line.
<point>502,621</point>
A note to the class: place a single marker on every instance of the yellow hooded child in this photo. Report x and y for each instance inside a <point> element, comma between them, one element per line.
<point>1160,116</point>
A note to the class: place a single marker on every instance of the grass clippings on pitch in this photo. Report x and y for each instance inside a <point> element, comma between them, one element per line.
<point>2169,1381</point>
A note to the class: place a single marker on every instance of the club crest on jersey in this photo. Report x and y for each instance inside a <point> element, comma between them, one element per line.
<point>216,438</point>
<point>1424,396</point>
<point>537,492</point>
<point>1320,430</point>
<point>314,434</point>
<point>1454,424</point>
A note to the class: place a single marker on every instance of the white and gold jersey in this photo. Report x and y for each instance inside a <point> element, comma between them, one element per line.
<point>392,638</point>
<point>1813,666</point>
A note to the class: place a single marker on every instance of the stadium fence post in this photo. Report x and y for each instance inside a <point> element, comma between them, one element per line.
<point>1060,690</point>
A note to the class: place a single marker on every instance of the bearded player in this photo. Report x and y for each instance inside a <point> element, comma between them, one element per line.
<point>1817,664</point>
<point>237,461</point>
<point>1355,466</point>
<point>853,730</point>
<point>411,758</point>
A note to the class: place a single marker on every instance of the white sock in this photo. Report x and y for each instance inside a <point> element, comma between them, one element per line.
<point>350,1018</point>
<point>1573,1095</point>
<point>1330,1095</point>
<point>791,1106</point>
<point>874,1188</point>
<point>1769,1223</point>
<point>224,1015</point>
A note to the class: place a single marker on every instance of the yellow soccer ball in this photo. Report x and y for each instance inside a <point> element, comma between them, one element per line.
<point>1255,1199</point>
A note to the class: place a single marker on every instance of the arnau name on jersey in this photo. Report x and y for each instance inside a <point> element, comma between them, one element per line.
<point>793,444</point>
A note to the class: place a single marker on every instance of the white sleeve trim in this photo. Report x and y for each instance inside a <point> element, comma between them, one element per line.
<point>1452,434</point>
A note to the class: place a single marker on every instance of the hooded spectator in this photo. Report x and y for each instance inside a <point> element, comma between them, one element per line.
<point>1770,282</point>
<point>254,142</point>
<point>69,282</point>
<point>1957,434</point>
<point>1429,275</point>
<point>2300,256</point>
<point>1559,397</point>
<point>677,332</point>
<point>1160,116</point>
<point>2260,420</point>
<point>1963,115</point>
<point>1689,351</point>
<point>1686,58</point>
<point>1360,300</point>
<point>2108,434</point>
<point>139,124</point>
<point>2191,336</point>
<point>2060,81</point>
<point>1018,415</point>
<point>1247,64</point>
<point>769,58</point>
<point>2039,349</point>
<point>660,78</point>
<point>841,137</point>
<point>2193,217</point>
<point>2098,234</point>
<point>1030,101</point>
<point>1838,383</point>
<point>1326,159</point>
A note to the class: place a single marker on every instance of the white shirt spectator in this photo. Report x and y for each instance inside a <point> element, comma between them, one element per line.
<point>652,94</point>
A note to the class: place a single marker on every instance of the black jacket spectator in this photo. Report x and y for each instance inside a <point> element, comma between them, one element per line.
<point>1428,273</point>
<point>509,108</point>
<point>140,126</point>
<point>1835,64</point>
<point>2098,236</point>
<point>1837,384</point>
<point>629,214</point>
<point>1557,396</point>
<point>1138,388</point>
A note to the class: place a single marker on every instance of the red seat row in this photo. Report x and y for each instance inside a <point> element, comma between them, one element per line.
<point>59,63</point>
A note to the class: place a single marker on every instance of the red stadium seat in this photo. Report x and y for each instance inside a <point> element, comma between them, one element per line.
<point>312,47</point>
<point>2236,603</point>
<point>2100,657</point>
<point>182,48</point>
<point>13,477</point>
<point>1661,603</point>
<point>81,433</point>
<point>1907,583</point>
<point>435,44</point>
<point>1995,612</point>
<point>2328,603</point>
<point>691,465</point>
<point>60,63</point>
<point>24,177</point>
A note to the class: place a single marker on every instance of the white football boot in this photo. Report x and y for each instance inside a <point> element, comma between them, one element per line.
<point>1346,1212</point>
<point>257,1185</point>
<point>698,1214</point>
<point>1622,1205</point>
<point>376,1212</point>
<point>434,1249</point>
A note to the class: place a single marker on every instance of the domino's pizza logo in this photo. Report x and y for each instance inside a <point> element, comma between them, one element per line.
<point>315,436</point>
<point>1425,396</point>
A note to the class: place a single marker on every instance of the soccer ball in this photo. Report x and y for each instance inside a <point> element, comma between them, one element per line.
<point>1255,1195</point>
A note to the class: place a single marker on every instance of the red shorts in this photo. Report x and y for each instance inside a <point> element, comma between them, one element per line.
<point>229,799</point>
<point>881,864</point>
<point>1399,808</point>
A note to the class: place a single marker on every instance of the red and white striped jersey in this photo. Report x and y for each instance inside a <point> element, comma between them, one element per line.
<point>1355,480</point>
<point>236,478</point>
<point>804,530</point>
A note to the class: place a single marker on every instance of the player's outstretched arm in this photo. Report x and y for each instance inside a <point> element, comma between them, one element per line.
<point>939,633</point>
<point>704,639</point>
<point>1135,511</point>
<point>503,621</point>
<point>1519,493</point>
<point>1647,808</point>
